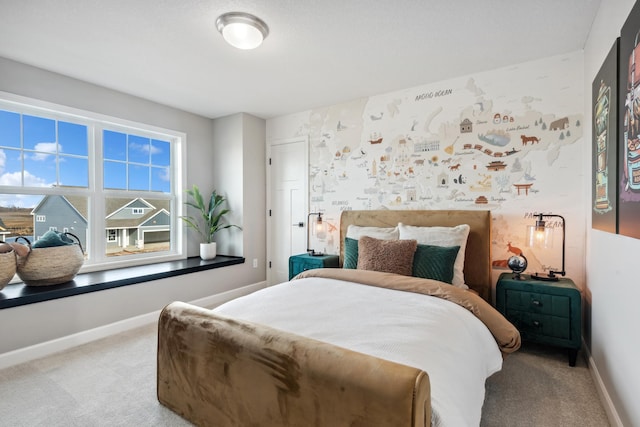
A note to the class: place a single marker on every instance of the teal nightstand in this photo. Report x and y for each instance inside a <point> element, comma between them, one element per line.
<point>544,312</point>
<point>302,262</point>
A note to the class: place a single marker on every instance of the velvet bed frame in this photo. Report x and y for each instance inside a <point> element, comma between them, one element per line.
<point>219,371</point>
<point>477,263</point>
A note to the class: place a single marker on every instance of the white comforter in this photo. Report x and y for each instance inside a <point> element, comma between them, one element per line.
<point>445,340</point>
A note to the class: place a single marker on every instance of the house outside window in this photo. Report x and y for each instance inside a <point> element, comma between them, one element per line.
<point>113,184</point>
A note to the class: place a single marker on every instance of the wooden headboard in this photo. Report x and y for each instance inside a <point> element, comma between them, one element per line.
<point>477,261</point>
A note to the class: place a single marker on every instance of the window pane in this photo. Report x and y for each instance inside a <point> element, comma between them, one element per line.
<point>138,177</point>
<point>38,172</point>
<point>9,129</point>
<point>72,138</point>
<point>39,134</point>
<point>115,175</point>
<point>15,216</point>
<point>62,212</point>
<point>161,180</point>
<point>136,225</point>
<point>11,167</point>
<point>160,153</point>
<point>138,149</point>
<point>74,171</point>
<point>115,145</point>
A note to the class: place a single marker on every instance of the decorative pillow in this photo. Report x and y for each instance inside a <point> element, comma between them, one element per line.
<point>391,256</point>
<point>350,253</point>
<point>354,232</point>
<point>435,262</point>
<point>382,233</point>
<point>442,236</point>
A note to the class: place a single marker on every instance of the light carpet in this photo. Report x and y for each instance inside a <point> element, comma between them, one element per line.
<point>112,382</point>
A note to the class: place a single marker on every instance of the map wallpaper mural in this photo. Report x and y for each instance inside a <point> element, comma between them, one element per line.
<point>508,140</point>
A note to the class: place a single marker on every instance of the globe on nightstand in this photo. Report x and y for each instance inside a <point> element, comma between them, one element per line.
<point>517,264</point>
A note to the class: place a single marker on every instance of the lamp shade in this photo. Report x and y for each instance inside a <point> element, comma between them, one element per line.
<point>318,230</point>
<point>242,30</point>
<point>539,238</point>
<point>541,235</point>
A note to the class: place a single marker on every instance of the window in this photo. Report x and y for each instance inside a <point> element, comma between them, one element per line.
<point>113,184</point>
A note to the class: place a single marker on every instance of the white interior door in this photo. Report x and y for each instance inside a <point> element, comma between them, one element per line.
<point>287,231</point>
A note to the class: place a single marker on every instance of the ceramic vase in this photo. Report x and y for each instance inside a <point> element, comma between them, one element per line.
<point>208,250</point>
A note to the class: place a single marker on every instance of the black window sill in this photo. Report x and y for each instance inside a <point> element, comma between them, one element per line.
<point>19,294</point>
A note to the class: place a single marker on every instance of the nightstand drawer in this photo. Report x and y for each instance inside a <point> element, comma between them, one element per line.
<point>556,305</point>
<point>535,325</point>
<point>298,266</point>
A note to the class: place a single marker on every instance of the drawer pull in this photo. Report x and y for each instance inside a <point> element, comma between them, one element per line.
<point>536,323</point>
<point>536,303</point>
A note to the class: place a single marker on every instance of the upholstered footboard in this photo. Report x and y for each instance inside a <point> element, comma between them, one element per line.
<point>218,371</point>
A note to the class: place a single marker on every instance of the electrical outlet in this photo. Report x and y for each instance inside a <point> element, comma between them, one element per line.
<point>255,263</point>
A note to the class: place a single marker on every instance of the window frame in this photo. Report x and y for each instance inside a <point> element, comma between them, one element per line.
<point>95,193</point>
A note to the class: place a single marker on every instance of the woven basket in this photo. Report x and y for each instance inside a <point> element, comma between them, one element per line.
<point>7,264</point>
<point>50,266</point>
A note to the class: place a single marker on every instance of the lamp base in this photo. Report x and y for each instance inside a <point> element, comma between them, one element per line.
<point>547,278</point>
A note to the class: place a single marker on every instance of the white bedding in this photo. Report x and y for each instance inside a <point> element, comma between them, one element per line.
<point>445,340</point>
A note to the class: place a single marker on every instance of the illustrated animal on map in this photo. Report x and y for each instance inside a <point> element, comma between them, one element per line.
<point>562,123</point>
<point>527,139</point>
<point>513,249</point>
<point>454,167</point>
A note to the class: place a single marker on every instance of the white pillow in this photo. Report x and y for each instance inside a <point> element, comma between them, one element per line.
<point>441,236</point>
<point>381,233</point>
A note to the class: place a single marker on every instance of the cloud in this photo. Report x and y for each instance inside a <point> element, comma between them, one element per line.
<point>3,160</point>
<point>14,179</point>
<point>19,200</point>
<point>165,175</point>
<point>45,150</point>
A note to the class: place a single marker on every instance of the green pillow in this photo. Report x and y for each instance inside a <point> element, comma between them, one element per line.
<point>350,253</point>
<point>434,262</point>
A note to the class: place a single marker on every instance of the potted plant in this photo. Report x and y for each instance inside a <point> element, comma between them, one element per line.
<point>210,222</point>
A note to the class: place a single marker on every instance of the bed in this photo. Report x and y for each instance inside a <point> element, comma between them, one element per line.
<point>347,346</point>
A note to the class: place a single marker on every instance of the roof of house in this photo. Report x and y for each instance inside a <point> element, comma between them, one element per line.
<point>114,205</point>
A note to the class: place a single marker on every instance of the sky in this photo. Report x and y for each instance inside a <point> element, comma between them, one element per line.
<point>45,152</point>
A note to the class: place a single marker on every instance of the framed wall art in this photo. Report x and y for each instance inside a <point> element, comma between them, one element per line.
<point>604,100</point>
<point>629,126</point>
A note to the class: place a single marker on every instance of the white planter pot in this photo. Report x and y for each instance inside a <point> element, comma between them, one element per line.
<point>208,250</point>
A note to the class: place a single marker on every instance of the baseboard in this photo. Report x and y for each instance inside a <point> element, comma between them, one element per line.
<point>607,403</point>
<point>36,351</point>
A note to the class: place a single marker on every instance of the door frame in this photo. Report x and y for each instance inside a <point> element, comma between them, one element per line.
<point>273,142</point>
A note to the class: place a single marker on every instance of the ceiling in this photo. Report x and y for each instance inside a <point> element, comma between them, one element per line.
<point>318,52</point>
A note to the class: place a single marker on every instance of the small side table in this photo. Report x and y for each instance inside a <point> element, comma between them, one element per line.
<point>302,262</point>
<point>544,312</point>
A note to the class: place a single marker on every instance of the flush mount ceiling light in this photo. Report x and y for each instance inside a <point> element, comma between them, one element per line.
<point>242,30</point>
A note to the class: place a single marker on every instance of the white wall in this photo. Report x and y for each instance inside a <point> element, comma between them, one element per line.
<point>239,140</point>
<point>36,323</point>
<point>612,281</point>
